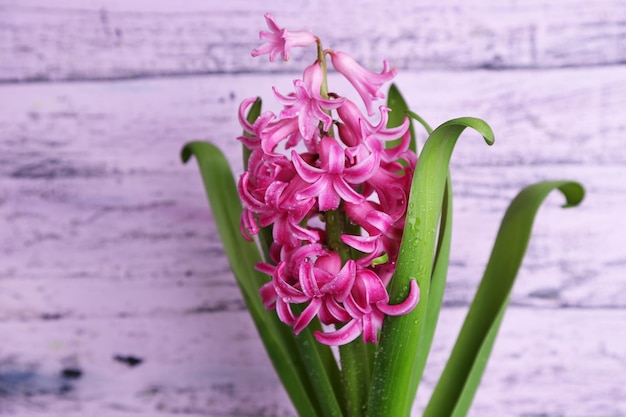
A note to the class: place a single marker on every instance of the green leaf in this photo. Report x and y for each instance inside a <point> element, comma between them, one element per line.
<point>460,379</point>
<point>278,338</point>
<point>393,390</point>
<point>322,371</point>
<point>355,364</point>
<point>399,111</point>
<point>421,121</point>
<point>437,285</point>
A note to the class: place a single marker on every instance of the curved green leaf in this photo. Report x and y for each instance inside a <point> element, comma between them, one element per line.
<point>421,121</point>
<point>278,338</point>
<point>437,285</point>
<point>393,390</point>
<point>460,379</point>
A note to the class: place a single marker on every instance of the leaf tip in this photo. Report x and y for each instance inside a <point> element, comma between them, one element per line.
<point>574,193</point>
<point>487,132</point>
<point>185,153</point>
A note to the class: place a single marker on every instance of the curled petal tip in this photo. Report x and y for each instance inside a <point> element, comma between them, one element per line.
<point>340,337</point>
<point>404,307</point>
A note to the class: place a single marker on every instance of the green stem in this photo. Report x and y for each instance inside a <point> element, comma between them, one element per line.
<point>335,221</point>
<point>355,365</point>
<point>355,357</point>
<point>321,58</point>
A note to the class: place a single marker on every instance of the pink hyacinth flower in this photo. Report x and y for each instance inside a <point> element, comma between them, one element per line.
<point>367,304</point>
<point>331,182</point>
<point>252,138</point>
<point>366,83</point>
<point>326,283</point>
<point>357,130</point>
<point>322,283</point>
<point>307,104</point>
<point>280,41</point>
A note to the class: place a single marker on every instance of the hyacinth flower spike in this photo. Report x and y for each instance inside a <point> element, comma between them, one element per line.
<point>355,235</point>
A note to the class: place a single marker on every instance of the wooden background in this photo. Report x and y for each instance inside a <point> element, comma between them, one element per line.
<point>115,295</point>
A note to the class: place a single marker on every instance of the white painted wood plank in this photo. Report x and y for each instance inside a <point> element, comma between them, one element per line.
<point>186,367</point>
<point>569,116</point>
<point>545,363</point>
<point>80,39</point>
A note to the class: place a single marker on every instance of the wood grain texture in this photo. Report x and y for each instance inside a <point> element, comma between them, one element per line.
<point>540,366</point>
<point>106,39</point>
<point>108,253</point>
<point>109,247</point>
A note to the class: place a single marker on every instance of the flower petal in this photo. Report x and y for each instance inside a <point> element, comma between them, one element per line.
<point>335,310</point>
<point>283,310</point>
<point>268,295</point>
<point>404,307</point>
<point>345,335</point>
<point>285,291</point>
<point>342,283</point>
<point>306,276</point>
<point>346,192</point>
<point>307,315</point>
<point>305,171</point>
